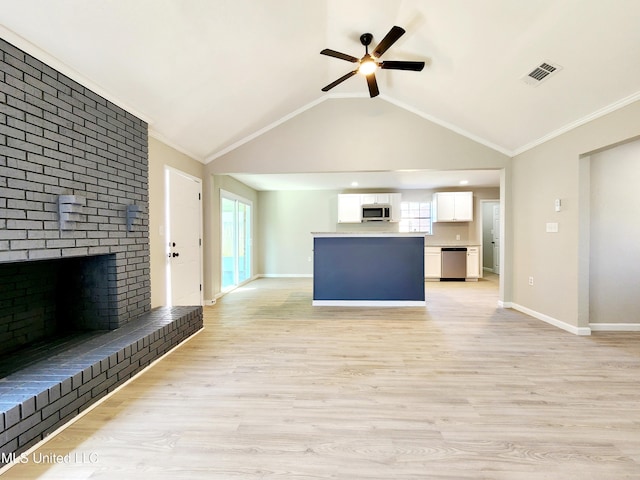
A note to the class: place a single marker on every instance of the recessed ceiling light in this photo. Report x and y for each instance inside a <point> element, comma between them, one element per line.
<point>354,184</point>
<point>464,182</point>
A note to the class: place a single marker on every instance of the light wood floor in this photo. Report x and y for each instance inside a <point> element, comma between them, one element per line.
<point>276,388</point>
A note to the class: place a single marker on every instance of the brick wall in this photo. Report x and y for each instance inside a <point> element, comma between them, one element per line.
<point>59,138</point>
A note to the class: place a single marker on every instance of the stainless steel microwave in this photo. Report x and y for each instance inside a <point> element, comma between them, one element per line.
<point>376,213</point>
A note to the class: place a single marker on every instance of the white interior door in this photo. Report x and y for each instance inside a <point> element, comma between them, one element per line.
<point>184,249</point>
<point>496,238</point>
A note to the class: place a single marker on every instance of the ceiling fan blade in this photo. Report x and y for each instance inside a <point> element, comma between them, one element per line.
<point>341,56</point>
<point>373,85</point>
<point>400,65</point>
<point>390,38</point>
<point>339,81</point>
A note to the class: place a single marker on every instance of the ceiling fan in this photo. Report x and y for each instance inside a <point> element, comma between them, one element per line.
<point>368,63</point>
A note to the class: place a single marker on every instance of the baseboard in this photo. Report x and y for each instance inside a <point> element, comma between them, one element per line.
<point>615,327</point>
<point>502,304</point>
<point>286,275</point>
<point>552,321</point>
<point>368,303</point>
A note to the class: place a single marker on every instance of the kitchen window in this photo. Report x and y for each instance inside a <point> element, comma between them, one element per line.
<point>415,217</point>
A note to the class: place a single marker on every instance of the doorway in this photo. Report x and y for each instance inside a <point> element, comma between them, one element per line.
<point>183,251</point>
<point>491,236</point>
<point>613,251</point>
<point>235,215</point>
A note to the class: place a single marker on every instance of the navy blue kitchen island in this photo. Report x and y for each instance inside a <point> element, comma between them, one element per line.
<point>368,269</point>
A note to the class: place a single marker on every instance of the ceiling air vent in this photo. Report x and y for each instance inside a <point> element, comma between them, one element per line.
<point>541,73</point>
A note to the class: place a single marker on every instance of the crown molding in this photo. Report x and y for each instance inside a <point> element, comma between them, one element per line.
<point>45,57</point>
<point>582,121</point>
<point>320,100</point>
<point>448,126</point>
<point>161,138</point>
<point>263,130</point>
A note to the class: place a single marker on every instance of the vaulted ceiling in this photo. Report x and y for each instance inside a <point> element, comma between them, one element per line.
<point>209,74</point>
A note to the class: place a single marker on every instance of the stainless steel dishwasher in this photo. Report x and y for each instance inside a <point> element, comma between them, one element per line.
<point>454,263</point>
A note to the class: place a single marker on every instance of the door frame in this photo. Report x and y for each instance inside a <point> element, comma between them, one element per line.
<point>167,249</point>
<point>501,246</point>
<point>234,196</point>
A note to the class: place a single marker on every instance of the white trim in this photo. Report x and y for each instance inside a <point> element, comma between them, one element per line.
<point>383,97</point>
<point>502,304</point>
<point>234,196</point>
<point>227,195</point>
<point>51,61</point>
<point>263,130</point>
<point>570,126</point>
<point>448,126</point>
<point>286,275</point>
<point>615,327</point>
<point>168,169</point>
<point>369,303</point>
<point>552,321</point>
<point>185,174</point>
<point>161,138</point>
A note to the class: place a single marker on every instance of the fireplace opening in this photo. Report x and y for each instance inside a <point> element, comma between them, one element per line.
<point>48,306</point>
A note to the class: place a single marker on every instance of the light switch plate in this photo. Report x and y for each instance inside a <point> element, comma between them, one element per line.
<point>552,227</point>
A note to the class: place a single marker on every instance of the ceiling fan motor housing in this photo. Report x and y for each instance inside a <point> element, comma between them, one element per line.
<point>365,39</point>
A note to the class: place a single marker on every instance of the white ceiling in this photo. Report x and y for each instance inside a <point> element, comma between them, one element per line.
<point>402,179</point>
<point>209,74</point>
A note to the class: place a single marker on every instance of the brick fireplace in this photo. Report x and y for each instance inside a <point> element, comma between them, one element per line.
<point>74,248</point>
<point>50,299</point>
<point>59,140</point>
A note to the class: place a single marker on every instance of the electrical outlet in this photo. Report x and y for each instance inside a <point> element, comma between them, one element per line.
<point>531,281</point>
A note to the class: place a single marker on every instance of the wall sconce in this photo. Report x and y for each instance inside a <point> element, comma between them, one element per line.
<point>70,211</point>
<point>133,212</point>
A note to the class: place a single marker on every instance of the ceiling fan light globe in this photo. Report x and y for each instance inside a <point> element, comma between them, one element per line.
<point>367,67</point>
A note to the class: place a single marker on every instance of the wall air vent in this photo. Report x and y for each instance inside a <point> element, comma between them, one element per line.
<point>541,73</point>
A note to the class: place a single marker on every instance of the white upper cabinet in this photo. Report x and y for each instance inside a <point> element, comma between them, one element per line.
<point>396,209</point>
<point>350,205</point>
<point>453,207</point>
<point>375,198</point>
<point>349,208</point>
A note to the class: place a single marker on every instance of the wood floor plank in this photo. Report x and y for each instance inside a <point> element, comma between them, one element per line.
<point>274,388</point>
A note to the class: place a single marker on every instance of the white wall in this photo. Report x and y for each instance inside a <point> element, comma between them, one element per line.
<point>365,134</point>
<point>357,134</point>
<point>343,135</point>
<point>559,262</point>
<point>287,218</point>
<point>213,251</point>
<point>160,156</point>
<point>615,235</point>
